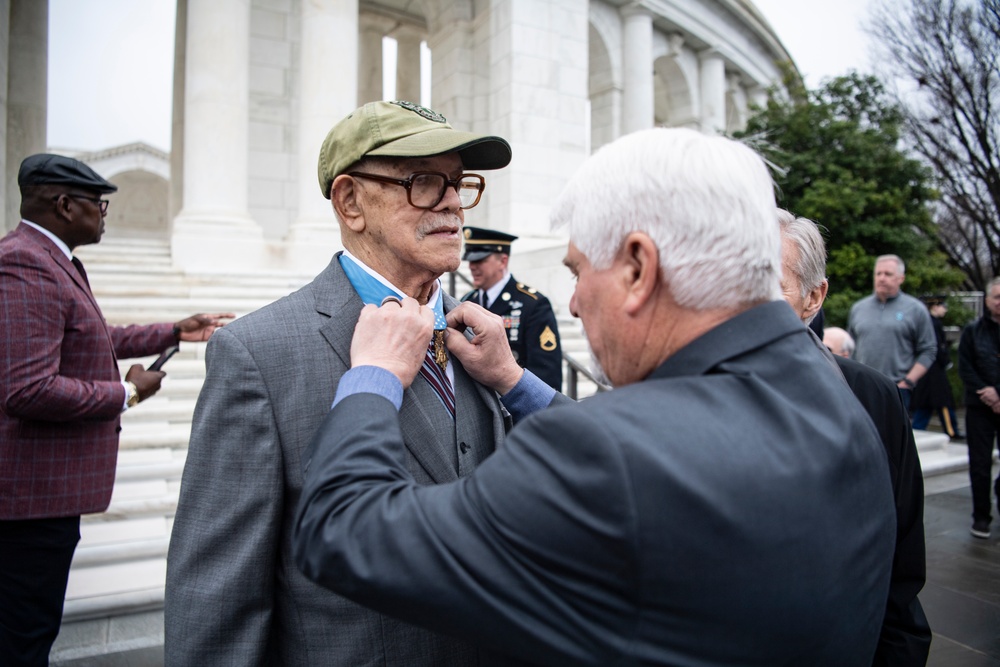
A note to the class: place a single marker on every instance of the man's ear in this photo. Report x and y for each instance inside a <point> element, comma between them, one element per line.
<point>345,197</point>
<point>639,259</point>
<point>814,300</point>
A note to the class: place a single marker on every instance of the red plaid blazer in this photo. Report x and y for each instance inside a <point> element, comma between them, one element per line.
<point>60,391</point>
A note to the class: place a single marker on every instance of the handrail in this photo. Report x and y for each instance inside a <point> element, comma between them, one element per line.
<point>575,369</point>
<point>451,282</point>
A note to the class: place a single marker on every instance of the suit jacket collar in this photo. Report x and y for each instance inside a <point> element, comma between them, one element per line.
<point>32,235</point>
<point>748,331</point>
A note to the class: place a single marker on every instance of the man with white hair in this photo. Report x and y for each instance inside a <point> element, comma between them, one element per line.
<point>906,636</point>
<point>839,341</point>
<point>697,514</point>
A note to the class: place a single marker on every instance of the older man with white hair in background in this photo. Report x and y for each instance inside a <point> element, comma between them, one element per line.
<point>705,512</point>
<point>906,636</point>
<point>839,341</point>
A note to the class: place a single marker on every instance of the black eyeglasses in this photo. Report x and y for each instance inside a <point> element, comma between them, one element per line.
<point>100,203</point>
<point>426,189</point>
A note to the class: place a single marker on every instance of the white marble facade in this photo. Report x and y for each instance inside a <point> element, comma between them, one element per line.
<point>259,82</point>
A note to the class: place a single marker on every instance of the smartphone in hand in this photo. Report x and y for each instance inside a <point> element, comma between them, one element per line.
<point>162,359</point>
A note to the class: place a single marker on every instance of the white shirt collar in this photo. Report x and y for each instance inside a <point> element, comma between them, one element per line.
<point>55,239</point>
<point>493,292</point>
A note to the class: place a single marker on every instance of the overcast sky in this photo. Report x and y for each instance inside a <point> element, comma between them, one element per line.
<point>111,62</point>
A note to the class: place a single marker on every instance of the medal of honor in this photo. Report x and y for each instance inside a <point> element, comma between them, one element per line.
<point>440,358</point>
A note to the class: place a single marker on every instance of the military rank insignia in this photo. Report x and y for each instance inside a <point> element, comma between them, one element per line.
<point>547,340</point>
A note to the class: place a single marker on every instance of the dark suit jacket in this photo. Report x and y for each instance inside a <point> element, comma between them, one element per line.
<point>906,636</point>
<point>60,391</point>
<point>233,593</point>
<point>531,328</point>
<point>714,513</point>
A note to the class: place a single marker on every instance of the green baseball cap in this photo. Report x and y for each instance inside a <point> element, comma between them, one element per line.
<point>404,130</point>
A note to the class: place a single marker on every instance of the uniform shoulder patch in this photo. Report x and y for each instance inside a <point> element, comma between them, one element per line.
<point>547,341</point>
<point>530,291</point>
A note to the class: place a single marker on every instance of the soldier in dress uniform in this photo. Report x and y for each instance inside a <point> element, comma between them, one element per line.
<point>527,315</point>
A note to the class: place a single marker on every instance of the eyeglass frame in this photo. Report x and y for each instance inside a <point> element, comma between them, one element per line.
<point>407,183</point>
<point>101,203</point>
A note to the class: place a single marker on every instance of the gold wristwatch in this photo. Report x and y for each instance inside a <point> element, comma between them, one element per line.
<point>132,397</point>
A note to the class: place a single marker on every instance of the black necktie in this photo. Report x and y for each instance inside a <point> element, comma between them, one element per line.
<point>83,272</point>
<point>483,298</point>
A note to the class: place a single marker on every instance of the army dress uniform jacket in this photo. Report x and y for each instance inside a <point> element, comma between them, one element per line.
<point>531,330</point>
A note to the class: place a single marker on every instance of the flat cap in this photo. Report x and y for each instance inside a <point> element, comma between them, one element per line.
<point>480,243</point>
<point>403,130</point>
<point>49,169</point>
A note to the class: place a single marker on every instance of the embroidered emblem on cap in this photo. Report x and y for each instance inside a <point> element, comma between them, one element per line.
<point>429,114</point>
<point>547,340</point>
<point>468,233</point>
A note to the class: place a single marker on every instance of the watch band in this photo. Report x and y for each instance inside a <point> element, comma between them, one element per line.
<point>132,395</point>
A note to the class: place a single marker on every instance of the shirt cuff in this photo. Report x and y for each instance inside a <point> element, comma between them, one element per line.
<point>370,380</point>
<point>529,395</point>
<point>125,402</point>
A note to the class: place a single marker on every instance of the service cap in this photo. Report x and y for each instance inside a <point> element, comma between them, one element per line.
<point>480,243</point>
<point>49,169</point>
<point>404,130</point>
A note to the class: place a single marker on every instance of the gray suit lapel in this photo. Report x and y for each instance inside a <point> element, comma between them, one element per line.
<point>336,298</point>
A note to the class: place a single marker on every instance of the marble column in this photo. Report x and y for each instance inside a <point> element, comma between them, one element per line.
<point>713,92</point>
<point>408,40</point>
<point>27,94</point>
<point>329,35</point>
<point>369,59</point>
<point>213,230</point>
<point>176,196</point>
<point>637,66</point>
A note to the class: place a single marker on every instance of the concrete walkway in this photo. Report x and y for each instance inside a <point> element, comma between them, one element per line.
<point>962,594</point>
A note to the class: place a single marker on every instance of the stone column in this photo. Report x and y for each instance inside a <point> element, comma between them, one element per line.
<point>713,92</point>
<point>329,35</point>
<point>637,67</point>
<point>214,231</point>
<point>369,58</point>
<point>408,40</point>
<point>27,93</point>
<point>176,196</point>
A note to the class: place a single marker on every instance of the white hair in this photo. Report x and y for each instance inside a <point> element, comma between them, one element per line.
<point>803,233</point>
<point>707,202</point>
<point>895,258</point>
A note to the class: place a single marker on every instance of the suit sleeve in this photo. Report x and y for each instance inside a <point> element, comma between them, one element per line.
<point>543,345</point>
<point>223,549</point>
<point>47,328</point>
<point>142,340</point>
<point>490,557</point>
<point>968,366</point>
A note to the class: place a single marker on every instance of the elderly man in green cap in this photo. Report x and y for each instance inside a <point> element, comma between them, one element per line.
<point>395,174</point>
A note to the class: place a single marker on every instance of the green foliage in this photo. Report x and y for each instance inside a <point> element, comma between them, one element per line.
<point>837,160</point>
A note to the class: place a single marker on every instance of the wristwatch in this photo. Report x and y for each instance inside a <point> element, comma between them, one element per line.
<point>908,382</point>
<point>132,395</point>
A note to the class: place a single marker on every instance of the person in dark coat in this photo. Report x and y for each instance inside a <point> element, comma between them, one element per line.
<point>905,638</point>
<point>933,391</point>
<point>527,314</point>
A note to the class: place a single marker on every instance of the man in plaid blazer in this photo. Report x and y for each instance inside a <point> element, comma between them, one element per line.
<point>61,396</point>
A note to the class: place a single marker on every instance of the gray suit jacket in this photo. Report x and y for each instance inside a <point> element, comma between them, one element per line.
<point>734,508</point>
<point>233,594</point>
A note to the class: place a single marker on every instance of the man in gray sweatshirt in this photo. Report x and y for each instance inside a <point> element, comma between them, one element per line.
<point>892,330</point>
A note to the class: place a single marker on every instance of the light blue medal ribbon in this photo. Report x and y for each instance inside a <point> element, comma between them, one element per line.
<point>371,290</point>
